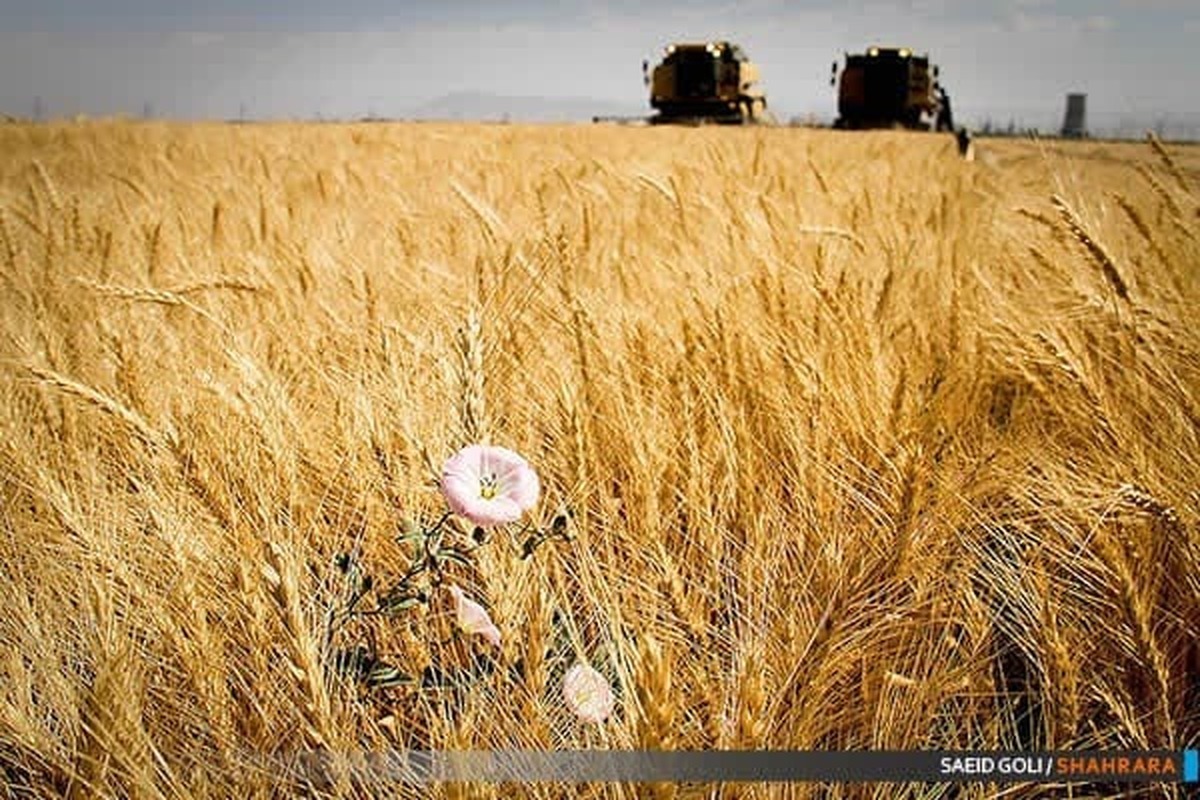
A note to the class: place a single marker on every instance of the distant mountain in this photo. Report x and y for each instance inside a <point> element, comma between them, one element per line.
<point>490,107</point>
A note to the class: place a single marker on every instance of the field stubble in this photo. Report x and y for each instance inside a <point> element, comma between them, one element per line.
<point>866,446</point>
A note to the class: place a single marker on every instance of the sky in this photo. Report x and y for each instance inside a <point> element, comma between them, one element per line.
<point>350,58</point>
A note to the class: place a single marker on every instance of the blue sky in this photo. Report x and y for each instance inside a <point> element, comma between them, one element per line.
<point>351,57</point>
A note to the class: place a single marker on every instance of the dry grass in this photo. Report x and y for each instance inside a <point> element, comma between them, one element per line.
<point>867,446</point>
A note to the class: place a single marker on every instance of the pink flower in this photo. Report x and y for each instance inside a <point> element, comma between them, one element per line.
<point>472,617</point>
<point>587,693</point>
<point>489,485</point>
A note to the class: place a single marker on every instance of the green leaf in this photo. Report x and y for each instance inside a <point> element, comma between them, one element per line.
<point>385,676</point>
<point>456,556</point>
<point>353,661</point>
<point>411,531</point>
<point>528,547</point>
<point>398,600</point>
<point>360,664</point>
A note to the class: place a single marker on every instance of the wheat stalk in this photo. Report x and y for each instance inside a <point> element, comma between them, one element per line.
<point>133,421</point>
<point>219,282</point>
<point>303,660</point>
<point>1163,193</point>
<point>1068,366</point>
<point>751,728</point>
<point>472,408</point>
<point>837,233</point>
<point>1140,225</point>
<point>1096,250</point>
<point>116,750</point>
<point>161,297</point>
<point>1141,614</point>
<point>489,220</point>
<point>1157,146</point>
<point>657,705</point>
<point>10,248</point>
<point>48,184</point>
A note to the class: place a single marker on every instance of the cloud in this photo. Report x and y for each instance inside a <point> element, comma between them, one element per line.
<point>200,39</point>
<point>1157,5</point>
<point>1062,26</point>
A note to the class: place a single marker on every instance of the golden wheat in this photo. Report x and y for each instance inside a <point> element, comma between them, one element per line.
<point>856,454</point>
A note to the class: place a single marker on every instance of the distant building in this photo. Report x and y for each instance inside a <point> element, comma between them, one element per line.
<point>1075,120</point>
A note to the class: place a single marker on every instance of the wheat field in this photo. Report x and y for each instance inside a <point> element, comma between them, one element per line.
<point>859,444</point>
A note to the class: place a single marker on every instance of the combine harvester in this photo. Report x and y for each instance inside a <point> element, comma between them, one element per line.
<point>703,83</point>
<point>711,82</point>
<point>892,87</point>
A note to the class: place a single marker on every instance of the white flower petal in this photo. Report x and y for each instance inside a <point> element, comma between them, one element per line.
<point>588,694</point>
<point>523,487</point>
<point>473,618</point>
<point>515,489</point>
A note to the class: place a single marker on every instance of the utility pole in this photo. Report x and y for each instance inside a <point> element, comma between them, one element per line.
<point>38,109</point>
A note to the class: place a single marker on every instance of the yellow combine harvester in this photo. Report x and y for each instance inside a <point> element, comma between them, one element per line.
<point>891,87</point>
<point>705,82</point>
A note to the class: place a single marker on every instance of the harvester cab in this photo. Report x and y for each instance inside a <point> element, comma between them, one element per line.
<point>705,82</point>
<point>891,87</point>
